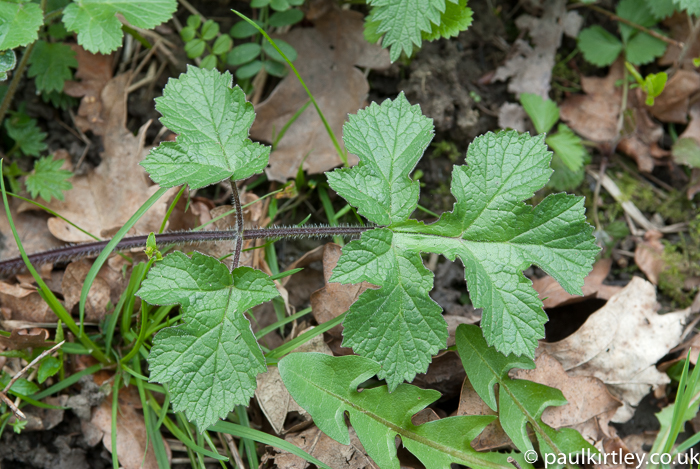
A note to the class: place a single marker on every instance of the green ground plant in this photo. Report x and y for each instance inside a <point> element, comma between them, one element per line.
<point>570,156</point>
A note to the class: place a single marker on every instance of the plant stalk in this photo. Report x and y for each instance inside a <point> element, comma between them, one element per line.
<point>16,77</point>
<point>78,251</point>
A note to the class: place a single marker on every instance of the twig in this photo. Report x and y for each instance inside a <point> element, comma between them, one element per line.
<point>627,205</point>
<point>514,462</point>
<point>16,77</point>
<point>234,451</point>
<point>639,27</point>
<point>3,394</point>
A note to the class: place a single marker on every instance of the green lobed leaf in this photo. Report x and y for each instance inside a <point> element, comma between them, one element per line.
<point>692,7</point>
<point>403,22</point>
<point>598,46</point>
<point>637,12</point>
<point>99,29</point>
<point>643,49</point>
<point>48,179</point>
<point>211,361</point>
<point>493,232</point>
<point>563,179</point>
<point>19,23</point>
<point>212,120</point>
<point>327,388</point>
<point>50,65</point>
<point>455,19</point>
<point>544,113</point>
<point>567,145</point>
<point>389,139</point>
<point>520,402</point>
<point>26,134</point>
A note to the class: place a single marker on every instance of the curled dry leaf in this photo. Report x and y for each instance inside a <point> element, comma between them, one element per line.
<point>693,131</point>
<point>325,449</point>
<point>24,303</point>
<point>530,68</point>
<point>594,115</point>
<point>679,25</point>
<point>621,343</point>
<point>553,295</point>
<point>648,256</point>
<point>31,228</point>
<point>104,199</point>
<point>588,397</point>
<point>672,104</point>
<point>131,432</point>
<point>22,339</point>
<point>493,437</point>
<point>107,286</point>
<point>327,58</point>
<point>272,394</point>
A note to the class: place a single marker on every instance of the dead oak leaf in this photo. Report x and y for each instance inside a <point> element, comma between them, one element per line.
<point>672,104</point>
<point>104,199</point>
<point>621,343</point>
<point>22,338</point>
<point>25,303</point>
<point>587,396</point>
<point>328,55</point>
<point>648,255</point>
<point>132,437</point>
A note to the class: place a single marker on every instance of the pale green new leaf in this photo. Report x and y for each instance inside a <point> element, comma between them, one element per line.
<point>327,388</point>
<point>544,113</point>
<point>402,22</point>
<point>210,362</point>
<point>567,145</point>
<point>598,46</point>
<point>48,179</point>
<point>520,402</point>
<point>494,233</point>
<point>50,65</point>
<point>99,29</point>
<point>19,23</point>
<point>212,119</point>
<point>456,18</point>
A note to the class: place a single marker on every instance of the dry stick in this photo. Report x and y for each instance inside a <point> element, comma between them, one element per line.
<point>3,394</point>
<point>614,17</point>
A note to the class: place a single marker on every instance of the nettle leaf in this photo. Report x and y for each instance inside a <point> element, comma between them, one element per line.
<point>326,387</point>
<point>520,402</point>
<point>493,232</point>
<point>403,22</point>
<point>212,120</point>
<point>51,65</point>
<point>48,179</point>
<point>211,361</point>
<point>19,23</point>
<point>99,29</point>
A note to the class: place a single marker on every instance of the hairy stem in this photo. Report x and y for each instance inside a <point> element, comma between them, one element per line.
<point>78,251</point>
<point>239,223</point>
<point>16,77</point>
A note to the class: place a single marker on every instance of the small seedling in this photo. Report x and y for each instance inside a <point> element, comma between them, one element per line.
<point>198,40</point>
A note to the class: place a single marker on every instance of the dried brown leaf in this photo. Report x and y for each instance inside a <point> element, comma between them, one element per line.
<point>327,56</point>
<point>553,295</point>
<point>621,343</point>
<point>672,104</point>
<point>21,339</point>
<point>649,256</point>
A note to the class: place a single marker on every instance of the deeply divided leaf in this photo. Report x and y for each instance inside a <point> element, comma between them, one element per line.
<point>520,402</point>
<point>327,388</point>
<point>99,29</point>
<point>211,361</point>
<point>19,23</point>
<point>490,229</point>
<point>50,65</point>
<point>212,119</point>
<point>48,179</point>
